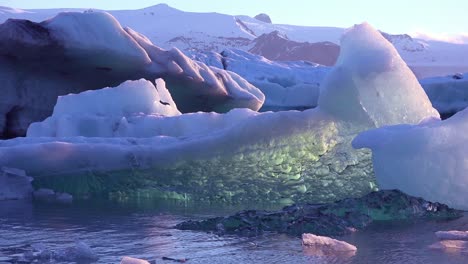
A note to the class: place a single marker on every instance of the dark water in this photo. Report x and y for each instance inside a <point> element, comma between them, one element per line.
<point>145,230</point>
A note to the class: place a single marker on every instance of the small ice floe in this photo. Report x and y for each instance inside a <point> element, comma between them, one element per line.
<point>14,184</point>
<point>452,235</point>
<point>48,195</point>
<point>450,245</point>
<point>451,240</point>
<point>78,252</point>
<point>323,246</point>
<point>129,260</point>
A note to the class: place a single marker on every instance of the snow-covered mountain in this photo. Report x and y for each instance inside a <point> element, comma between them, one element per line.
<point>274,46</point>
<point>168,27</point>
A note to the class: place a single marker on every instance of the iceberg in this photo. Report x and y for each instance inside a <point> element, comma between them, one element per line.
<point>426,160</point>
<point>241,155</point>
<point>106,112</point>
<point>74,52</point>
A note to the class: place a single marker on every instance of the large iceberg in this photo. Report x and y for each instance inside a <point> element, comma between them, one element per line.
<point>74,52</point>
<point>428,160</point>
<point>243,155</point>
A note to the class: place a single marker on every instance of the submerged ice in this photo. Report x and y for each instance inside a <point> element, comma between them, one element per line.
<point>241,155</point>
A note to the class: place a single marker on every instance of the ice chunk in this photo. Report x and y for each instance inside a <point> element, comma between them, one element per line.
<point>426,160</point>
<point>326,244</point>
<point>103,112</point>
<point>242,155</point>
<point>97,35</point>
<point>14,184</point>
<point>48,195</point>
<point>450,245</point>
<point>452,235</point>
<point>129,260</point>
<point>372,84</point>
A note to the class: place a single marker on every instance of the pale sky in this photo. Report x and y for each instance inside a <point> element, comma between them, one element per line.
<point>431,17</point>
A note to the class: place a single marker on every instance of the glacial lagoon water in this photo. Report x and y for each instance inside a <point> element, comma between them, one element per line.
<point>144,229</point>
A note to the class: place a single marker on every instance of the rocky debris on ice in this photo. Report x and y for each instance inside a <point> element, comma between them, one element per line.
<point>14,184</point>
<point>243,155</point>
<point>326,244</point>
<point>48,195</point>
<point>339,218</point>
<point>426,160</point>
<point>74,52</point>
<point>286,85</point>
<point>80,252</point>
<point>130,260</point>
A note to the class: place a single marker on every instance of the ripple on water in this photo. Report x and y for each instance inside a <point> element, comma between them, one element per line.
<point>114,230</point>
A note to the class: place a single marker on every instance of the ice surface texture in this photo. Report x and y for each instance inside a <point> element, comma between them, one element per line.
<point>106,112</point>
<point>243,155</point>
<point>372,84</point>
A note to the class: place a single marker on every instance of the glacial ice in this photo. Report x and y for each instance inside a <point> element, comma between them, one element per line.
<point>243,155</point>
<point>106,112</point>
<point>452,235</point>
<point>428,160</point>
<point>74,52</point>
<point>286,85</point>
<point>14,184</point>
<point>371,83</point>
<point>450,245</point>
<point>96,37</point>
<point>326,243</point>
<point>130,260</point>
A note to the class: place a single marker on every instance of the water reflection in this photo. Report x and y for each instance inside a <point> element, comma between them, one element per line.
<point>144,229</point>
